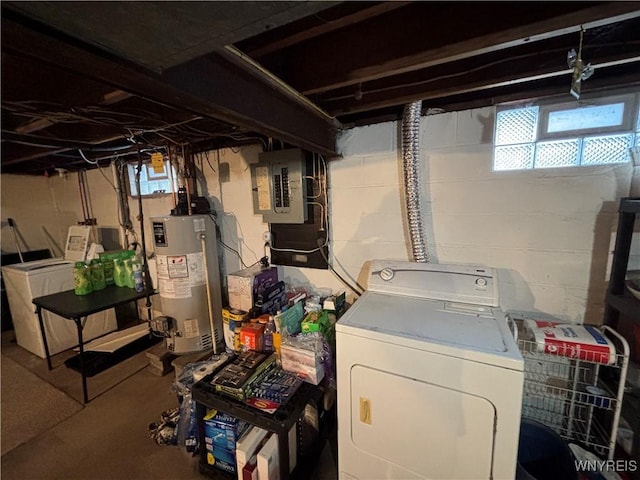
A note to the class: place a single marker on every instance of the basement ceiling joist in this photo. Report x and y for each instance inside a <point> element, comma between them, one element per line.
<point>233,93</point>
<point>214,74</point>
<point>424,34</point>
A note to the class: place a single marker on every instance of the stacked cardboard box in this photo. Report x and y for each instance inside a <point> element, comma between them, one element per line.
<point>221,432</point>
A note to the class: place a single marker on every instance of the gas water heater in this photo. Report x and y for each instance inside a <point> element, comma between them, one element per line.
<point>188,283</point>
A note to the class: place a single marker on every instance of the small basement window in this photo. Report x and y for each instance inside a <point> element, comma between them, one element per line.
<point>566,135</point>
<point>153,181</point>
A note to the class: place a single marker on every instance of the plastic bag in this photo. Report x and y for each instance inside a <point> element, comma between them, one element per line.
<point>187,428</point>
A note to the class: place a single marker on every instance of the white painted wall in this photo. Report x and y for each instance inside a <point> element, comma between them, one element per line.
<point>42,210</point>
<point>549,232</point>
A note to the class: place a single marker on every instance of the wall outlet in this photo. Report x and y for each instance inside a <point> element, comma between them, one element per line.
<point>266,236</point>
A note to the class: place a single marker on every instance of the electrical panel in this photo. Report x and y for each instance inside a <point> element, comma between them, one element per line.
<point>279,186</point>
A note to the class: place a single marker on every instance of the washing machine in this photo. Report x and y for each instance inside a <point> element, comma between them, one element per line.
<point>29,280</point>
<point>429,377</point>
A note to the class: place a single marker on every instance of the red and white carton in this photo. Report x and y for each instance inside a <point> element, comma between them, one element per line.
<point>582,342</point>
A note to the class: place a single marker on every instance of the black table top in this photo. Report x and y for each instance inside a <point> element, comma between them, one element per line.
<point>69,305</point>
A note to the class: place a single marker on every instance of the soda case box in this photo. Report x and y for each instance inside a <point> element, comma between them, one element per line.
<point>221,432</point>
<point>245,286</point>
<point>246,448</point>
<point>107,258</point>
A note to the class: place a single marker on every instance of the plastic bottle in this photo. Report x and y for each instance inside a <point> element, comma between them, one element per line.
<point>98,281</point>
<point>118,272</point>
<point>136,274</point>
<point>128,273</point>
<point>269,330</point>
<point>82,279</point>
<point>138,280</point>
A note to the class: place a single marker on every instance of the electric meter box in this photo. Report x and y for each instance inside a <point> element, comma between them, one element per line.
<point>279,186</point>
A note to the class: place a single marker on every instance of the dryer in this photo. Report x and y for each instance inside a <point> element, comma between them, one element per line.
<point>429,377</point>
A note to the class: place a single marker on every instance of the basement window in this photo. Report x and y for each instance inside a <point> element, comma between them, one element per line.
<point>597,132</point>
<point>152,182</point>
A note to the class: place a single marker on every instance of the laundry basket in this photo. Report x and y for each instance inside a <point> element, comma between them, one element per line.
<point>579,399</point>
<point>543,454</point>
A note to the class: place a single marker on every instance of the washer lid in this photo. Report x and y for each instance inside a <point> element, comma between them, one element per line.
<point>474,332</point>
<point>38,265</point>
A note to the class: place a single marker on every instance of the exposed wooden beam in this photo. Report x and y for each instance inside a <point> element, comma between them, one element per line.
<point>545,88</point>
<point>370,61</point>
<point>241,99</point>
<point>327,27</point>
<point>438,82</point>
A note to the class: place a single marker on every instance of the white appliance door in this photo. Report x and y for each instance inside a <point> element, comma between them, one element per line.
<point>408,413</point>
<point>431,431</point>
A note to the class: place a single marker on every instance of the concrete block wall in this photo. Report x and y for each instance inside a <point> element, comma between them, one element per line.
<point>549,232</point>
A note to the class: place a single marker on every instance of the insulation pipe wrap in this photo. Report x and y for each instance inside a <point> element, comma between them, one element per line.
<point>410,166</point>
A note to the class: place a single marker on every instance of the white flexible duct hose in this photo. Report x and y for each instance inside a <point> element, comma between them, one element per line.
<point>410,166</point>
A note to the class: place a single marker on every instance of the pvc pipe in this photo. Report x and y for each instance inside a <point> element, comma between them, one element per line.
<point>203,238</point>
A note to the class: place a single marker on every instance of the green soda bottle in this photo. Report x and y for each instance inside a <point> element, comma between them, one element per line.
<point>82,279</point>
<point>118,273</point>
<point>98,281</point>
<point>128,273</point>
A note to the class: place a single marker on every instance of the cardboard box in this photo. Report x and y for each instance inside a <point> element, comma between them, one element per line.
<point>303,362</point>
<point>221,432</point>
<point>247,446</point>
<point>250,470</point>
<point>271,300</point>
<point>251,336</point>
<point>246,286</point>
<point>268,457</point>
<point>269,460</point>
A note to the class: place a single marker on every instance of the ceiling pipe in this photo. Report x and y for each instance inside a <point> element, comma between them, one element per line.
<point>238,57</point>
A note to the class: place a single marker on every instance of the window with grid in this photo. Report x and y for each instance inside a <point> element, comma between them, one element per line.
<point>566,135</point>
<point>152,181</point>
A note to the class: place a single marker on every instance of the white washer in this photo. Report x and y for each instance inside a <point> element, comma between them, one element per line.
<point>429,377</point>
<point>26,281</point>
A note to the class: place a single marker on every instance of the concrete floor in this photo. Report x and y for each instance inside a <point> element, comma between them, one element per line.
<point>108,437</point>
